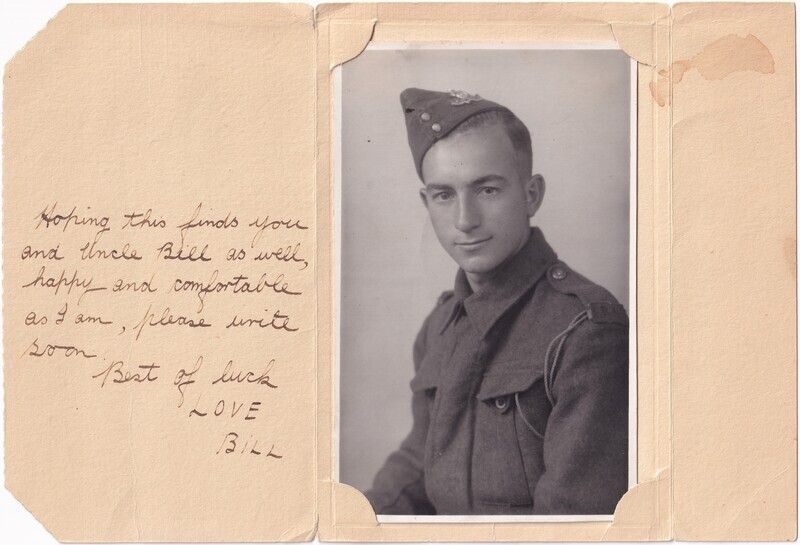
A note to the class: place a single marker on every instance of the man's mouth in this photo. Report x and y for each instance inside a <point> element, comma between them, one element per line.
<point>472,244</point>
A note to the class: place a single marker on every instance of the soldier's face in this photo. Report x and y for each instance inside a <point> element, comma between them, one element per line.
<point>478,199</point>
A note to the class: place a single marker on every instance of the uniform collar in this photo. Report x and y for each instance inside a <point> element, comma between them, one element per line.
<point>509,284</point>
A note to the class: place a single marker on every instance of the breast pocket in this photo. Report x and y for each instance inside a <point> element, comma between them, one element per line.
<point>424,386</point>
<point>510,422</point>
<point>427,377</point>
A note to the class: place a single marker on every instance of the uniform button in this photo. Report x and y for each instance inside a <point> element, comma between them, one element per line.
<point>558,273</point>
<point>426,116</point>
<point>436,127</point>
<point>501,403</point>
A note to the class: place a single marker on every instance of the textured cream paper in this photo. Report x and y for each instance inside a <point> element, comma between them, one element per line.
<point>190,111</point>
<point>733,272</point>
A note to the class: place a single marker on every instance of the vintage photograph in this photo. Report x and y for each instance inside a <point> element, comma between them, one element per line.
<point>485,280</point>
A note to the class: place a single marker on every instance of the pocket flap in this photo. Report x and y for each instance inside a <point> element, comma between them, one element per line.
<point>426,378</point>
<point>508,381</point>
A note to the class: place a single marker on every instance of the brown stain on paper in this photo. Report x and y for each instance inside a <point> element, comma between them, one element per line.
<point>716,61</point>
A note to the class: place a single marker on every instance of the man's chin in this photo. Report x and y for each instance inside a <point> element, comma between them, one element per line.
<point>476,267</point>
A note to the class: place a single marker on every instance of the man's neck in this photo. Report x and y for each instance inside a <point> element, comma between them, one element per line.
<point>479,280</point>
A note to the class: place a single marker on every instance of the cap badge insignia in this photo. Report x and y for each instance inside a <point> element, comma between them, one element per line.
<point>462,97</point>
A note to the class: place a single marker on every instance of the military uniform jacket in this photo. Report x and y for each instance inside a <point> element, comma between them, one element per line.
<point>520,398</point>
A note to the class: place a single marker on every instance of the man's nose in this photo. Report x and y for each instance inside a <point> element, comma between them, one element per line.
<point>467,216</point>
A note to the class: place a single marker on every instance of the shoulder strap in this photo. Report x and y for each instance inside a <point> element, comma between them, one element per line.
<point>601,307</point>
<point>444,297</point>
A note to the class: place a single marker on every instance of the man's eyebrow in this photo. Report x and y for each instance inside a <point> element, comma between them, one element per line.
<point>473,183</point>
<point>438,187</point>
<point>488,178</point>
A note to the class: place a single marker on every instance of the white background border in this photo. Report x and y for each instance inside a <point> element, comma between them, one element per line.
<point>632,277</point>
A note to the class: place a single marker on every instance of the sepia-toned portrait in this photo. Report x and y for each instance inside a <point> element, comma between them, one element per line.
<point>485,303</point>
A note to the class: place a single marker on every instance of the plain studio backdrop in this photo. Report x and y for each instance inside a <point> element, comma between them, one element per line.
<point>576,104</point>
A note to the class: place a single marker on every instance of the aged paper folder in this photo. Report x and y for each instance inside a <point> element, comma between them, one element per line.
<point>201,116</point>
<point>200,136</point>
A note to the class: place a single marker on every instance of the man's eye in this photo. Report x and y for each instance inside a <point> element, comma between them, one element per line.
<point>488,190</point>
<point>442,196</point>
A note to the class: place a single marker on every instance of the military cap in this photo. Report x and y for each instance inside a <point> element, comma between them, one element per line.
<point>432,115</point>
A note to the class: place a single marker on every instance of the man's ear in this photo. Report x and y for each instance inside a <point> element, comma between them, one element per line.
<point>534,193</point>
<point>424,196</point>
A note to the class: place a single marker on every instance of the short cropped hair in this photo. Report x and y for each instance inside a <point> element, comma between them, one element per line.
<point>515,129</point>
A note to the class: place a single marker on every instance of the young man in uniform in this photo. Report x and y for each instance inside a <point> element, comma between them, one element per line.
<point>520,397</point>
